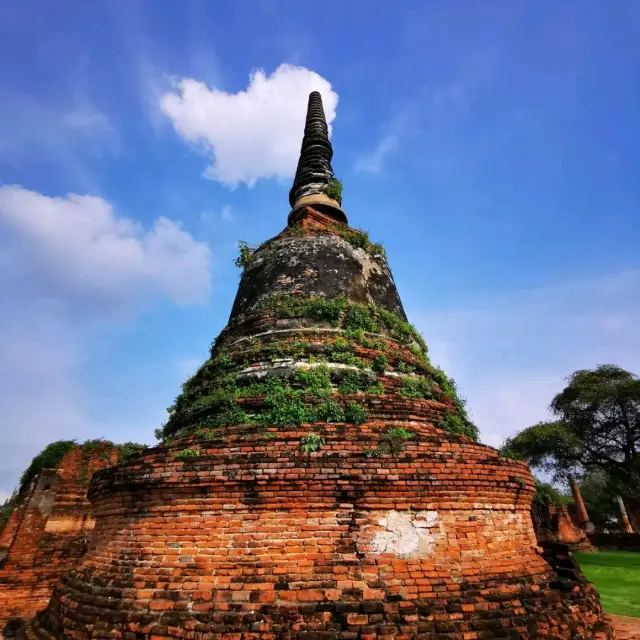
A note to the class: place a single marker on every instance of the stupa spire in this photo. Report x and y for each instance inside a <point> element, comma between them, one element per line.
<point>315,183</point>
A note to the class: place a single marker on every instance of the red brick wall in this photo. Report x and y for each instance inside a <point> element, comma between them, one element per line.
<point>51,527</point>
<point>10,528</point>
<point>255,540</point>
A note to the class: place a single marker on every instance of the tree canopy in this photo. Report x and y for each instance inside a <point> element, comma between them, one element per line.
<point>596,428</point>
<point>548,494</point>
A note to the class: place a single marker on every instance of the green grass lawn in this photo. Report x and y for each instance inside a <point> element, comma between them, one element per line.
<point>616,575</point>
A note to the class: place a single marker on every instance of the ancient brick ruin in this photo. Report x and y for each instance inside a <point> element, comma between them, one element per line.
<point>318,476</point>
<point>47,534</point>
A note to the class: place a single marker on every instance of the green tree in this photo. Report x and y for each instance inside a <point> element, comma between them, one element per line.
<point>596,428</point>
<point>548,494</point>
<point>599,497</point>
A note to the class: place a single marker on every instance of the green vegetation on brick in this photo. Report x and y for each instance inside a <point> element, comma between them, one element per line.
<point>130,450</point>
<point>417,387</point>
<point>355,414</point>
<point>206,434</point>
<point>379,363</point>
<point>352,382</point>
<point>245,256</point>
<point>316,380</point>
<point>288,306</point>
<point>49,458</point>
<point>351,316</point>
<point>209,398</point>
<point>391,441</point>
<point>454,423</point>
<point>187,454</point>
<point>311,442</point>
<point>7,509</point>
<point>333,190</point>
<point>359,239</point>
<point>404,367</point>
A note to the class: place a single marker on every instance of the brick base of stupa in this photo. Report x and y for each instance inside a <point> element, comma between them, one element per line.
<point>47,534</point>
<point>253,538</point>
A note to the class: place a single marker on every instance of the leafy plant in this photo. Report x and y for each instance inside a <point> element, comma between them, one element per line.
<point>376,389</point>
<point>346,357</point>
<point>340,344</point>
<point>311,442</point>
<point>359,239</point>
<point>379,364</point>
<point>328,411</point>
<point>417,387</point>
<point>333,190</point>
<point>352,316</point>
<point>548,494</point>
<point>288,306</point>
<point>394,438</point>
<point>351,383</point>
<point>355,414</point>
<point>316,380</point>
<point>6,510</point>
<point>454,423</point>
<point>129,450</point>
<point>285,406</point>
<point>245,258</point>
<point>187,454</point>
<point>391,441</point>
<point>404,367</point>
<point>359,317</point>
<point>206,434</point>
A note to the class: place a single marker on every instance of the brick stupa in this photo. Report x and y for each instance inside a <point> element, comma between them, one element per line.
<point>318,477</point>
<point>47,533</point>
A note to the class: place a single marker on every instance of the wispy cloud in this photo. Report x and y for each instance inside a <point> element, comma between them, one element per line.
<point>224,215</point>
<point>432,114</point>
<point>511,353</point>
<point>63,136</point>
<point>86,119</point>
<point>392,134</point>
<point>374,162</point>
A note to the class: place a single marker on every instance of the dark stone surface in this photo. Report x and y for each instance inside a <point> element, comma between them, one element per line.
<point>314,167</point>
<point>308,265</point>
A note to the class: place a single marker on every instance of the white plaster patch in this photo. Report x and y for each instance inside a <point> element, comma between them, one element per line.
<point>408,534</point>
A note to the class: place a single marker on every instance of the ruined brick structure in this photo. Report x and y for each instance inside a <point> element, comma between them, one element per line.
<point>318,477</point>
<point>47,533</point>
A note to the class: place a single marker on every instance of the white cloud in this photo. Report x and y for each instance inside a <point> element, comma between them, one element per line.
<point>251,134</point>
<point>511,353</point>
<point>78,243</point>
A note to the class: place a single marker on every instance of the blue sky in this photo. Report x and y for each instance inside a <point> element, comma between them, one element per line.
<point>493,147</point>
